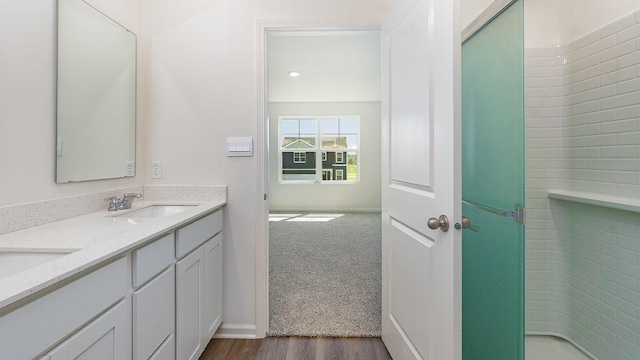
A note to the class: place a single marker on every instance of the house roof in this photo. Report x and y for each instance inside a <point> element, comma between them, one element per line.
<point>297,143</point>
<point>334,142</point>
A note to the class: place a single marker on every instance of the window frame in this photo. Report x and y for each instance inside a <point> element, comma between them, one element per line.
<point>320,152</point>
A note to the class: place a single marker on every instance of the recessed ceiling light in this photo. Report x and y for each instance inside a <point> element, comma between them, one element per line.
<point>294,73</point>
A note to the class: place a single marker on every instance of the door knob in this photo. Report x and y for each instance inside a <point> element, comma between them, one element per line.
<point>441,223</point>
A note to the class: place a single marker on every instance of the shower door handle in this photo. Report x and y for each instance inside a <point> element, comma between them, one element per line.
<point>466,224</point>
<point>441,223</point>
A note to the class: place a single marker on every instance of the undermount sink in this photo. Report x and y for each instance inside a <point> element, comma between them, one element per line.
<point>156,211</point>
<point>13,262</point>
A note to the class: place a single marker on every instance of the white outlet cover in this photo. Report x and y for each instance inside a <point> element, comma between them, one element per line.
<point>129,168</point>
<point>156,169</point>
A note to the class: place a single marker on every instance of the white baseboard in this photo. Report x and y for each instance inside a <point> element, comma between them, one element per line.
<point>235,331</point>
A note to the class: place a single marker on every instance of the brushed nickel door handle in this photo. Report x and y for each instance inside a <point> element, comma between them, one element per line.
<point>441,223</point>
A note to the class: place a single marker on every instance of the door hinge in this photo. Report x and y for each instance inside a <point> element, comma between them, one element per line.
<point>265,196</point>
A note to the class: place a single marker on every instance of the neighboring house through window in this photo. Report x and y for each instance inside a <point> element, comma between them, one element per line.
<point>334,141</point>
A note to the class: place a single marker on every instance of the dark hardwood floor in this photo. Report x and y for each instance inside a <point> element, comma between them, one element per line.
<point>296,348</point>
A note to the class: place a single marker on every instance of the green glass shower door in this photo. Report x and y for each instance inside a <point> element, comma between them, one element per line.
<point>492,188</point>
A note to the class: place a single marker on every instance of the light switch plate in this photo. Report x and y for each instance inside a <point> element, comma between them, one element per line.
<point>239,146</point>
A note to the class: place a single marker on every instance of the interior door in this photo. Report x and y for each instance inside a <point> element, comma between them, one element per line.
<point>492,188</point>
<point>421,269</point>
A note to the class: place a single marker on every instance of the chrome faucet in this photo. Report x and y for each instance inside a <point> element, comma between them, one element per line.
<point>118,204</point>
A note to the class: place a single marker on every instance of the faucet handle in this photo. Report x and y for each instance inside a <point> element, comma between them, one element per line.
<point>113,203</point>
<point>111,199</point>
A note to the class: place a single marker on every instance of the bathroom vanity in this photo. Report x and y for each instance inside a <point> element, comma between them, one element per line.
<point>139,284</point>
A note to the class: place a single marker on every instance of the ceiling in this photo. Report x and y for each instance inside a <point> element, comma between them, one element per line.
<point>334,66</point>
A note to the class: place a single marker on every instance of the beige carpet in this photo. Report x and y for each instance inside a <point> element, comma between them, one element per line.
<point>325,275</point>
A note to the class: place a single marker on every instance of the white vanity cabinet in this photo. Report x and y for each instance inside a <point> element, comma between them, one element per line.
<point>160,301</point>
<point>198,285</point>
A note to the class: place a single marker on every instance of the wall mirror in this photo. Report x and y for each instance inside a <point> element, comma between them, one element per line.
<point>96,105</point>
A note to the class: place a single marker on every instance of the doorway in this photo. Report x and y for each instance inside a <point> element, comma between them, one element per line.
<point>323,174</point>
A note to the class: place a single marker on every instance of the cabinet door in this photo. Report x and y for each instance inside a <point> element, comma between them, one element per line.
<point>212,290</point>
<point>153,314</point>
<point>189,306</point>
<point>166,351</point>
<point>106,338</point>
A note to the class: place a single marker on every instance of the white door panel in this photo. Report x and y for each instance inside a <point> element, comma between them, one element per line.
<point>410,254</point>
<point>409,81</point>
<point>421,302</point>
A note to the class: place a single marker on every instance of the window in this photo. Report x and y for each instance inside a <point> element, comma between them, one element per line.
<point>334,140</point>
<point>299,157</point>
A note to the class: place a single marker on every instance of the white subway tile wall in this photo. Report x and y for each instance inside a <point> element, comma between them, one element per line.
<point>582,130</point>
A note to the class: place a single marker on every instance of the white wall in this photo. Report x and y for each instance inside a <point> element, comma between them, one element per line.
<point>203,64</point>
<point>28,101</point>
<point>365,195</point>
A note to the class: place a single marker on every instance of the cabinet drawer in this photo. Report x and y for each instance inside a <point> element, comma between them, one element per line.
<point>151,259</point>
<point>196,233</point>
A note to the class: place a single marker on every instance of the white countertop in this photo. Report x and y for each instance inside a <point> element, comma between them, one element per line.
<point>94,238</point>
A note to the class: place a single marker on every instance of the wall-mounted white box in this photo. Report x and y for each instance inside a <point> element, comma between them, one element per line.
<point>239,146</point>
